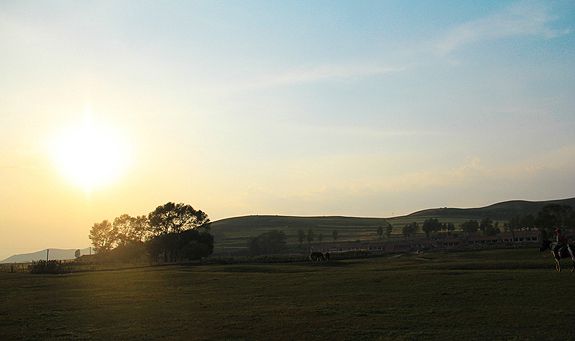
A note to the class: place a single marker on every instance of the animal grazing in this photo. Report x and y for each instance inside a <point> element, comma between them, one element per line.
<point>318,256</point>
<point>566,251</point>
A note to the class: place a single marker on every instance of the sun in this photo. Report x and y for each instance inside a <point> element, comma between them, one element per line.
<point>90,155</point>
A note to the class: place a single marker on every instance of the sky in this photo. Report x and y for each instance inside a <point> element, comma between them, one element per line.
<point>357,108</point>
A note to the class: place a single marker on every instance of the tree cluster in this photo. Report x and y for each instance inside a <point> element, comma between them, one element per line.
<point>384,231</point>
<point>431,225</point>
<point>410,229</point>
<point>175,231</point>
<point>268,243</point>
<point>487,227</point>
<point>548,218</point>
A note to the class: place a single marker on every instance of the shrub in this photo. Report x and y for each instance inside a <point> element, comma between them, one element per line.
<point>48,267</point>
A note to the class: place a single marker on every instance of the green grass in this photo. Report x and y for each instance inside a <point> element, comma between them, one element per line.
<point>497,294</point>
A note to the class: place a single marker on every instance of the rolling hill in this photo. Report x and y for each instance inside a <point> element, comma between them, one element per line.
<point>57,254</point>
<point>233,233</point>
<point>500,211</point>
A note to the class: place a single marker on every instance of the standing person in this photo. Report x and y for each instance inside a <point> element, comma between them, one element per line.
<point>560,239</point>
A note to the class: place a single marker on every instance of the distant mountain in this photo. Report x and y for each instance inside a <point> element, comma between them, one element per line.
<point>57,254</point>
<point>500,211</point>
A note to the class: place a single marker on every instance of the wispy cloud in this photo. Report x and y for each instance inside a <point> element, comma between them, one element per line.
<point>271,79</point>
<point>326,72</point>
<point>525,18</point>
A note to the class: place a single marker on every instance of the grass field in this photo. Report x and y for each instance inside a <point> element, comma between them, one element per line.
<point>496,294</point>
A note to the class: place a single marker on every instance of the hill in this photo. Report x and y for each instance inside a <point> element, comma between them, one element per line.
<point>500,211</point>
<point>232,234</point>
<point>58,254</point>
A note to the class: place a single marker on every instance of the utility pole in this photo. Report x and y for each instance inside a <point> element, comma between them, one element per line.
<point>47,254</point>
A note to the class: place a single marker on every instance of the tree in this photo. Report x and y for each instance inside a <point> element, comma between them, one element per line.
<point>380,231</point>
<point>301,236</point>
<point>168,222</point>
<point>334,235</point>
<point>488,227</point>
<point>528,222</point>
<point>555,215</point>
<point>310,236</point>
<point>186,245</point>
<point>388,230</point>
<point>450,227</point>
<point>268,243</point>
<point>431,225</point>
<point>176,218</point>
<point>410,229</point>
<point>131,229</point>
<point>104,236</point>
<point>140,228</point>
<point>470,226</point>
<point>195,244</point>
<point>485,224</point>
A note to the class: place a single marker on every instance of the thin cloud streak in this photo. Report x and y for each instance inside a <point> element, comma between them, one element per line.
<point>326,72</point>
<point>306,75</point>
<point>520,19</point>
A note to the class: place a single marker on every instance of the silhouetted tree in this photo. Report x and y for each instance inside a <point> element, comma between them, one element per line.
<point>409,230</point>
<point>310,236</point>
<point>488,227</point>
<point>140,228</point>
<point>431,225</point>
<point>169,224</point>
<point>268,243</point>
<point>470,226</point>
<point>380,232</point>
<point>450,227</point>
<point>388,230</point>
<point>104,236</point>
<point>185,245</point>
<point>555,215</point>
<point>301,236</point>
<point>485,224</point>
<point>131,229</point>
<point>195,244</point>
<point>172,217</point>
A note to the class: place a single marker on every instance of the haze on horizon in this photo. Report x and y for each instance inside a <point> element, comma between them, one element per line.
<point>359,108</point>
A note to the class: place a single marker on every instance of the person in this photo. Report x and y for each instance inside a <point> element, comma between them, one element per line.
<point>561,241</point>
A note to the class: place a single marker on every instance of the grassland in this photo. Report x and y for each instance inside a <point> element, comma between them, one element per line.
<point>497,294</point>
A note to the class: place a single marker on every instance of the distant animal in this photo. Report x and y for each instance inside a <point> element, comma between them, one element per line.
<point>318,256</point>
<point>559,253</point>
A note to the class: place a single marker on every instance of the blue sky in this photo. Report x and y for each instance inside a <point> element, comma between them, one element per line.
<point>371,108</point>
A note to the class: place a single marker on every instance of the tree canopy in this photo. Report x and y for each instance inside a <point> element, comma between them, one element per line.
<point>170,218</point>
<point>171,230</point>
<point>410,229</point>
<point>431,225</point>
<point>104,236</point>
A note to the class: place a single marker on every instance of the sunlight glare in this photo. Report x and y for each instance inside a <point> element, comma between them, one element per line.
<point>89,155</point>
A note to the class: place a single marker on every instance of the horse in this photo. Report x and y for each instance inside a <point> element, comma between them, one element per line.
<point>318,256</point>
<point>565,251</point>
